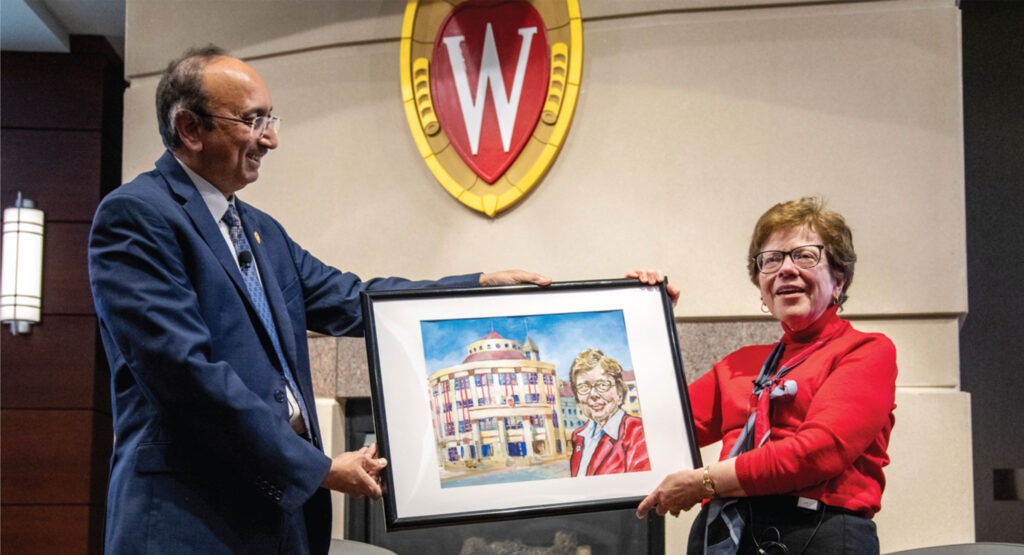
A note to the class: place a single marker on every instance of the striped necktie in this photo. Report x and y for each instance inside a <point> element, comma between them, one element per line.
<point>258,298</point>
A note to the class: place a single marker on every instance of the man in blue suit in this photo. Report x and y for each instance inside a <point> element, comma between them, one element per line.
<point>203,304</point>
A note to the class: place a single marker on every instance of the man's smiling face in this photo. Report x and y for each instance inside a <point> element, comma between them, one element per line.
<point>231,156</point>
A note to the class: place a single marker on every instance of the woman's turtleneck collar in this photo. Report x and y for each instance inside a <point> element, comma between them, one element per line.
<point>824,327</point>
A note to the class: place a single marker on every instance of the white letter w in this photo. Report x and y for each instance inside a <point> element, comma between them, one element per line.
<point>506,105</point>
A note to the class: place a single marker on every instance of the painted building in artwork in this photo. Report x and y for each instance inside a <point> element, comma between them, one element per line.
<point>500,403</point>
<point>632,402</point>
<point>571,415</point>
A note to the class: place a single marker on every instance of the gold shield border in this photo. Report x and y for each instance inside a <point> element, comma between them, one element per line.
<point>565,37</point>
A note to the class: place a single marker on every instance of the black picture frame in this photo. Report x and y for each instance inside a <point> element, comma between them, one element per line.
<point>488,437</point>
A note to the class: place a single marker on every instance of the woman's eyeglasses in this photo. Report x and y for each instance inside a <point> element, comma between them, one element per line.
<point>806,257</point>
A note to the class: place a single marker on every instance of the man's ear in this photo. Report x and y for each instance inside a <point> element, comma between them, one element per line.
<point>189,129</point>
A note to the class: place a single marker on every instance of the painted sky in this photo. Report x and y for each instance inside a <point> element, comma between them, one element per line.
<point>560,337</point>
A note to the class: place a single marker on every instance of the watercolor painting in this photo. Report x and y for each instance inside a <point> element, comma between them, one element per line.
<point>539,397</point>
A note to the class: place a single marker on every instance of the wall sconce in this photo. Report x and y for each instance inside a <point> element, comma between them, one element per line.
<point>21,290</point>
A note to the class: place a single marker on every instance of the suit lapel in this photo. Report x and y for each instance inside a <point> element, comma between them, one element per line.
<point>279,312</point>
<point>577,454</point>
<point>604,449</point>
<point>195,207</point>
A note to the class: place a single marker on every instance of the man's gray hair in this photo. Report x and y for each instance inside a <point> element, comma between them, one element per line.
<point>181,88</point>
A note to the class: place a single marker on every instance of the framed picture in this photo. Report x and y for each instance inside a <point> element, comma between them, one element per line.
<point>517,401</point>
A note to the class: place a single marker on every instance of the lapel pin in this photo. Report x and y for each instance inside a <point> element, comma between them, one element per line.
<point>256,234</point>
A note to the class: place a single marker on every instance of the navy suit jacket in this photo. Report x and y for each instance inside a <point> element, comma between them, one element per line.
<point>204,459</point>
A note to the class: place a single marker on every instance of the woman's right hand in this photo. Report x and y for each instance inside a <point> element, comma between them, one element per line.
<point>679,491</point>
<point>654,277</point>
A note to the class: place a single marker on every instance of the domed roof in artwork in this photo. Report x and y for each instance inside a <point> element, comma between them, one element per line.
<point>494,347</point>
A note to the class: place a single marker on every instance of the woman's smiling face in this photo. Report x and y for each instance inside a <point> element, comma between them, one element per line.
<point>797,296</point>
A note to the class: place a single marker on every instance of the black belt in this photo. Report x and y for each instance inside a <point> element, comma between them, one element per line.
<point>794,506</point>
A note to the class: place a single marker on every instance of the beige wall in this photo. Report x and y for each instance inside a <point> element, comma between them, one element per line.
<point>692,120</point>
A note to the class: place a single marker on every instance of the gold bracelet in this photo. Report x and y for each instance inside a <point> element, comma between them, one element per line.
<point>709,482</point>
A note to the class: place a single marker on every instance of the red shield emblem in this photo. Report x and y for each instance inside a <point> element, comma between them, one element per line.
<point>489,81</point>
<point>490,88</point>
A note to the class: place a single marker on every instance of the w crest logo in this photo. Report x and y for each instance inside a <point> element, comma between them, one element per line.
<point>490,88</point>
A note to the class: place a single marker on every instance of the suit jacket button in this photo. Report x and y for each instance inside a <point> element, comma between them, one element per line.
<point>279,396</point>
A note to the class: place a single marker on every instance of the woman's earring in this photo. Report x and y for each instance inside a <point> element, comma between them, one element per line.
<point>764,307</point>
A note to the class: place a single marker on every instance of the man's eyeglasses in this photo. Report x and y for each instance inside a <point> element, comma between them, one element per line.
<point>602,387</point>
<point>257,126</point>
<point>807,256</point>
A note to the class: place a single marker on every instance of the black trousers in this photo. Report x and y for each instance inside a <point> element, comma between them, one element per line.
<point>776,526</point>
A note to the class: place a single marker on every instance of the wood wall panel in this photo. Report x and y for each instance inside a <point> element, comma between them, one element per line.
<point>52,168</point>
<point>53,367</point>
<point>61,116</point>
<point>66,270</point>
<point>48,530</point>
<point>49,457</point>
<point>31,100</point>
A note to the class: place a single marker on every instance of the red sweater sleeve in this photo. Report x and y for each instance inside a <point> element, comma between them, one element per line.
<point>704,404</point>
<point>719,400</point>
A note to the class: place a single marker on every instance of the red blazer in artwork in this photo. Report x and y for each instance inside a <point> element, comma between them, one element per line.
<point>628,453</point>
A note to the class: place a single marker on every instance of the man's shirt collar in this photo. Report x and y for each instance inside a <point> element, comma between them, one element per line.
<point>214,199</point>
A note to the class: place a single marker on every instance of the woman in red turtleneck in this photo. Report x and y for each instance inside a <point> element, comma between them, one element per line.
<point>814,482</point>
